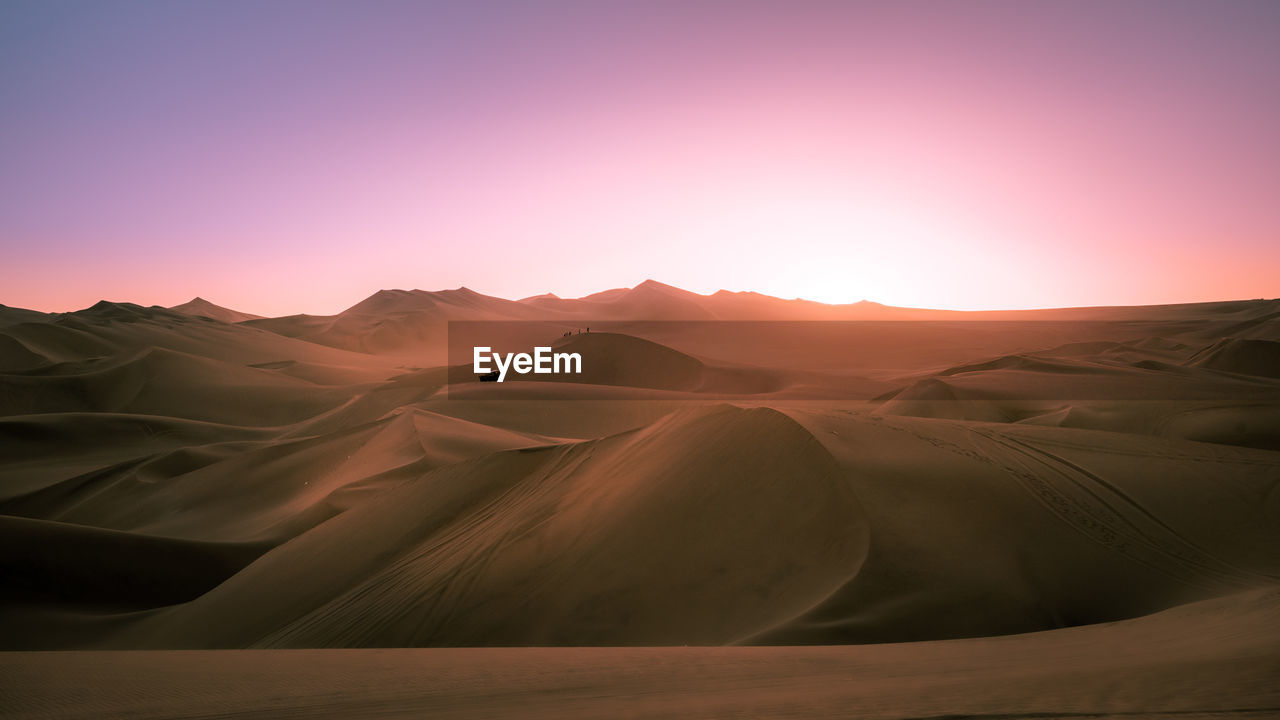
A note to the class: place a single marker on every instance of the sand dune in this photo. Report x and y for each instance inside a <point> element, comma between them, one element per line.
<point>564,545</point>
<point>44,449</point>
<point>729,469</point>
<point>995,528</point>
<point>570,412</point>
<point>691,540</point>
<point>15,355</point>
<point>1153,386</point>
<point>1210,660</point>
<point>617,366</point>
<point>615,359</point>
<point>1242,356</point>
<point>168,383</point>
<point>47,561</point>
<point>108,329</point>
<point>260,491</point>
<point>41,342</point>
<point>200,307</point>
<point>12,315</point>
<point>612,359</point>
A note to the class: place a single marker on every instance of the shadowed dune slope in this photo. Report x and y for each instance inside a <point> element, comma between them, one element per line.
<point>1243,356</point>
<point>264,492</point>
<point>612,359</point>
<point>168,383</point>
<point>37,451</point>
<point>980,529</point>
<point>109,330</point>
<point>16,356</point>
<point>582,419</point>
<point>703,528</point>
<point>619,360</point>
<point>55,562</point>
<point>175,481</point>
<point>725,525</point>
<point>1158,387</point>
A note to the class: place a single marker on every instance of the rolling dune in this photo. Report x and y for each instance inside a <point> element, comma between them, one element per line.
<point>690,540</point>
<point>727,470</point>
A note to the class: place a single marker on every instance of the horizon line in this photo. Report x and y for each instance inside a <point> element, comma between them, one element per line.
<point>551,295</point>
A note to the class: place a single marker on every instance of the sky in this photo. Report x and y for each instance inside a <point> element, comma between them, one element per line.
<point>282,157</point>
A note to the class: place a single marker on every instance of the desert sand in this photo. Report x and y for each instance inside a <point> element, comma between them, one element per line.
<point>1040,513</point>
<point>1214,659</point>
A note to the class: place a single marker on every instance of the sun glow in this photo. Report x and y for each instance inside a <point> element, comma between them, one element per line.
<point>829,245</point>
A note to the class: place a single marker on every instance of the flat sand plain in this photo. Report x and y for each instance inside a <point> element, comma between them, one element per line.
<point>1215,659</point>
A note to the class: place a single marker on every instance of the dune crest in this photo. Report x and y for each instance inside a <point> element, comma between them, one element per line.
<point>670,535</point>
<point>720,473</point>
<point>200,307</point>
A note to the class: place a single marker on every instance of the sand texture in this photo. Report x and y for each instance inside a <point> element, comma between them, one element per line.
<point>1100,485</point>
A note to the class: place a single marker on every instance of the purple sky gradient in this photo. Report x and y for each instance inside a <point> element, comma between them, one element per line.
<point>282,157</point>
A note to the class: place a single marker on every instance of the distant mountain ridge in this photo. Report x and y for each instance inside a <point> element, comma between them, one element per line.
<point>397,321</point>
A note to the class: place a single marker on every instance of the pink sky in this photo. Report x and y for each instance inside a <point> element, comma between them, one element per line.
<point>297,156</point>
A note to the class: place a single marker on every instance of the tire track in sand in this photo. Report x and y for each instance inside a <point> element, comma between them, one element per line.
<point>1099,510</point>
